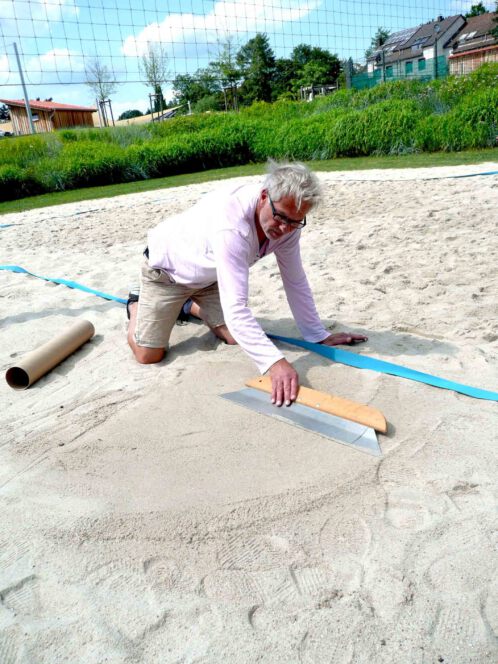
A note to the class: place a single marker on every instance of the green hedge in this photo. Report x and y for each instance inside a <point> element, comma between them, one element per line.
<point>16,182</point>
<point>394,118</point>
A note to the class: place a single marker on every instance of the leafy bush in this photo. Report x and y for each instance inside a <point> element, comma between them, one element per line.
<point>385,128</point>
<point>16,183</point>
<point>25,150</point>
<point>189,152</point>
<point>454,113</point>
<point>85,165</point>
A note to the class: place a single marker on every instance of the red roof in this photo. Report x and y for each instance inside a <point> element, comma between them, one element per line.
<point>47,105</point>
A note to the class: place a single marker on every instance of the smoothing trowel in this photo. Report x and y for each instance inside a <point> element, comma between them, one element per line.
<point>339,419</point>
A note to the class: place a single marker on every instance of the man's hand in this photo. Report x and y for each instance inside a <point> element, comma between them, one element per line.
<point>284,382</point>
<point>343,338</point>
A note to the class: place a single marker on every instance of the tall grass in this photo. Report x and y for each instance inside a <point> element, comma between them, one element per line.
<point>393,118</point>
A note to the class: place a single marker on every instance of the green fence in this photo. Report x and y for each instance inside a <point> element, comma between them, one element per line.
<point>420,69</point>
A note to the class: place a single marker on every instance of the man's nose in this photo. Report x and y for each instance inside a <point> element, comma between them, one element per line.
<point>285,227</point>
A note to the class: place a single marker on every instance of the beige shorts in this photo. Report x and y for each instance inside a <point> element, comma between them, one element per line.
<point>160,302</point>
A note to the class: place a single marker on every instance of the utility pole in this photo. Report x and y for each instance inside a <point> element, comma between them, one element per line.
<point>437,29</point>
<point>26,98</point>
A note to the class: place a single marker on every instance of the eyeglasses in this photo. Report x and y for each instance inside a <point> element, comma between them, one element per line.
<point>282,219</point>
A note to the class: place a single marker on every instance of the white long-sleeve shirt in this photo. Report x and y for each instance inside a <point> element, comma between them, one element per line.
<point>217,240</point>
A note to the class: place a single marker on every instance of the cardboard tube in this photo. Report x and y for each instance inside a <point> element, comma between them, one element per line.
<point>34,365</point>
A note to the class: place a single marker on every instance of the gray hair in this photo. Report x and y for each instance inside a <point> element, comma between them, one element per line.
<point>292,179</point>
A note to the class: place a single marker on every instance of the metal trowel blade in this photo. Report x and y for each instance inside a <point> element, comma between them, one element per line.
<point>335,428</point>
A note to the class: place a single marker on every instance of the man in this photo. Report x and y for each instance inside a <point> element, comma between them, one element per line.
<point>205,254</point>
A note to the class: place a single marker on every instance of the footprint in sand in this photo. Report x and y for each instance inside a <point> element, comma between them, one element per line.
<point>253,552</point>
<point>460,635</point>
<point>330,637</point>
<point>163,573</point>
<point>125,601</point>
<point>234,586</point>
<point>13,554</point>
<point>345,542</point>
<point>413,509</point>
<point>263,571</point>
<point>9,646</point>
<point>22,598</point>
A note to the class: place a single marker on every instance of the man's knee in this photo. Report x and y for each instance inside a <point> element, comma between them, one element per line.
<point>148,355</point>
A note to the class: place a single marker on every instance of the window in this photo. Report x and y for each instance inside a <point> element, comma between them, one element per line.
<point>408,67</point>
<point>389,70</point>
<point>35,117</point>
<point>421,64</point>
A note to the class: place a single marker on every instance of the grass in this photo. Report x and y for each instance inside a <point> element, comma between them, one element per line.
<point>345,164</point>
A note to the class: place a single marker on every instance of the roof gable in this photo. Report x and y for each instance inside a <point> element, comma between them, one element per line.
<point>476,33</point>
<point>46,105</point>
<point>410,43</point>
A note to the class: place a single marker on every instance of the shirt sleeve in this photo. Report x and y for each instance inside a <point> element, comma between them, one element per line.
<point>232,253</point>
<point>297,289</point>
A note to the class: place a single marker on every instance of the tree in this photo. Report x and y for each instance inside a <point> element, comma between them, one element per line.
<point>194,87</point>
<point>476,10</point>
<point>226,71</point>
<point>153,66</point>
<point>282,79</point>
<point>208,103</point>
<point>257,65</point>
<point>380,38</point>
<point>312,74</point>
<point>128,115</point>
<point>100,79</point>
<point>313,66</point>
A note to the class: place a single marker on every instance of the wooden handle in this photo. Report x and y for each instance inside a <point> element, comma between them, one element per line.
<point>327,403</point>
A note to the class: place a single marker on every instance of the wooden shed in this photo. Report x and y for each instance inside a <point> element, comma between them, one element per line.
<point>47,115</point>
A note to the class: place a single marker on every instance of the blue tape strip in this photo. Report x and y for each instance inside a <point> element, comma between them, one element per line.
<point>334,354</point>
<point>365,362</point>
<point>65,282</point>
<point>473,175</point>
<point>430,177</point>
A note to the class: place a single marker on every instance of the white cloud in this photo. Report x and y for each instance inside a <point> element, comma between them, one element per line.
<point>463,6</point>
<point>33,17</point>
<point>4,72</point>
<point>61,61</point>
<point>55,9</point>
<point>226,18</point>
<point>4,64</point>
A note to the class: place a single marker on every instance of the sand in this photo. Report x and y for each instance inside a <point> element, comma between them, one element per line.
<point>145,519</point>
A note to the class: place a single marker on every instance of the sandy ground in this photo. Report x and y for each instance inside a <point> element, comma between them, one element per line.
<point>145,519</point>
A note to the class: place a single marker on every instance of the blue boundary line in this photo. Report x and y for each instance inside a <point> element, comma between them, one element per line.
<point>65,282</point>
<point>334,354</point>
<point>366,362</point>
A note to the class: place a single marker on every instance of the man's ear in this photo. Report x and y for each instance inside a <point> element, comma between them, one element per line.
<point>264,194</point>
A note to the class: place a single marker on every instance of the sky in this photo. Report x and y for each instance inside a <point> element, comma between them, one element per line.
<point>57,39</point>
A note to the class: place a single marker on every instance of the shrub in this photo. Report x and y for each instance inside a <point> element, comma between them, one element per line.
<point>16,183</point>
<point>385,128</point>
<point>449,134</point>
<point>25,150</point>
<point>189,152</point>
<point>392,118</point>
<point>87,164</point>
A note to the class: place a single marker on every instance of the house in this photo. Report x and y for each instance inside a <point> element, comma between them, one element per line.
<point>416,53</point>
<point>47,115</point>
<point>474,45</point>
